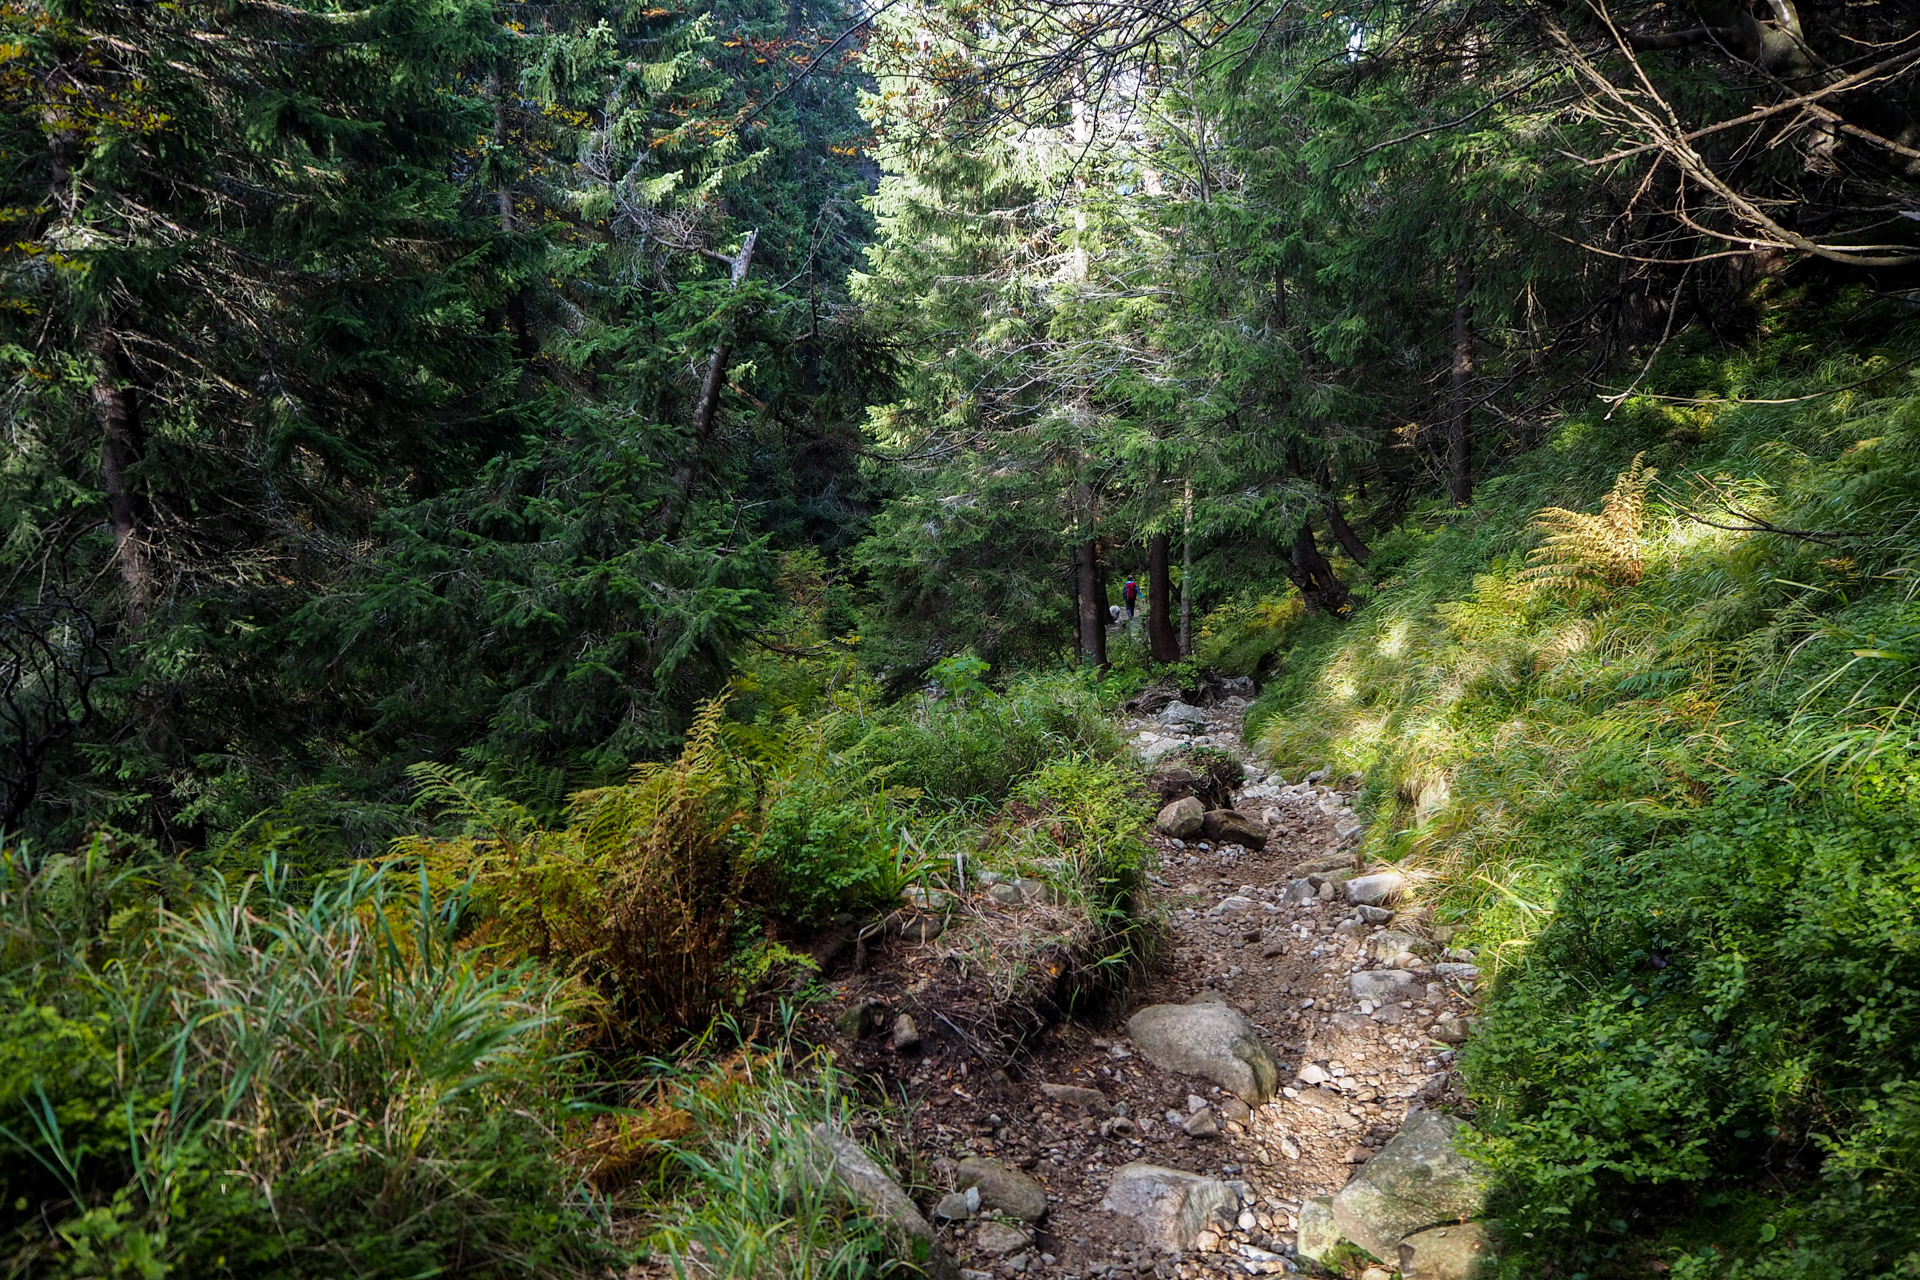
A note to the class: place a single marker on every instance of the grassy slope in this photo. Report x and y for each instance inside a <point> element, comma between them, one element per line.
<point>1681,812</point>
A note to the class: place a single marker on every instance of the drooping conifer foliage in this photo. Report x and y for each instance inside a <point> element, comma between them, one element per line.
<point>374,392</point>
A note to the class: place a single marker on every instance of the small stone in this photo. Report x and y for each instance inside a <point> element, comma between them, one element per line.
<point>1237,1111</point>
<point>1452,1031</point>
<point>906,1036</point>
<point>1377,890</point>
<point>1375,915</point>
<point>1073,1095</point>
<point>1202,1124</point>
<point>1312,1073</point>
<point>861,1018</point>
<point>1008,894</point>
<point>1289,1148</point>
<point>1457,972</point>
<point>1232,905</point>
<point>956,1206</point>
<point>922,928</point>
<point>927,899</point>
<point>1000,1237</point>
<point>1376,1273</point>
<point>1007,1190</point>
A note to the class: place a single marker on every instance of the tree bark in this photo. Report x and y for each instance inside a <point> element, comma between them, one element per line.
<point>1459,454</point>
<point>707,406</point>
<point>1093,607</point>
<point>121,444</point>
<point>1186,572</point>
<point>1320,587</point>
<point>1343,533</point>
<point>1161,640</point>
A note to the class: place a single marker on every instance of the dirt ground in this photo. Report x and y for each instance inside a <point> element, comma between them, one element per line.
<point>972,1084</point>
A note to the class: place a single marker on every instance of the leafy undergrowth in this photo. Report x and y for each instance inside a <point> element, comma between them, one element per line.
<point>1666,764</point>
<point>446,1061</point>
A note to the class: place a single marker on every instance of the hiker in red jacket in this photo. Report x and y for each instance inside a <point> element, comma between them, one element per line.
<point>1130,595</point>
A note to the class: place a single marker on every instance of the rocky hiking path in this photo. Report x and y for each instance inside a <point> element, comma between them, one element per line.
<point>1248,1108</point>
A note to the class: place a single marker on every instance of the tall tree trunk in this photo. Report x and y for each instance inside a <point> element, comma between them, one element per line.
<point>1459,454</point>
<point>1073,586</point>
<point>1320,587</point>
<point>121,444</point>
<point>1093,607</point>
<point>1161,641</point>
<point>1186,572</point>
<point>707,406</point>
<point>1357,551</point>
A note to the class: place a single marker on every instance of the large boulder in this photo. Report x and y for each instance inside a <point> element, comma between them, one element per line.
<point>1008,1190</point>
<point>1463,1252</point>
<point>1417,1180</point>
<point>1208,1040</point>
<point>1170,1206</point>
<point>1181,818</point>
<point>1319,1234</point>
<point>836,1160</point>
<point>1230,826</point>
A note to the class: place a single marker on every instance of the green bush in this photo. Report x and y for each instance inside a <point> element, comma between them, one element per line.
<point>1729,989</point>
<point>981,748</point>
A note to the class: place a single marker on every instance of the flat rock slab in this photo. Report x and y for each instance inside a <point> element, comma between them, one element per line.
<point>1211,1041</point>
<point>838,1159</point>
<point>1467,1251</point>
<point>1001,1237</point>
<point>1171,1206</point>
<point>1380,984</point>
<point>1008,1190</point>
<point>1418,1180</point>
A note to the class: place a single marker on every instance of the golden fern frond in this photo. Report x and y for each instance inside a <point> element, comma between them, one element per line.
<point>1604,546</point>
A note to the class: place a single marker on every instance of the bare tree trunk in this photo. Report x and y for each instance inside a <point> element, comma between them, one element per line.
<point>1093,607</point>
<point>1186,572</point>
<point>1459,455</point>
<point>707,406</point>
<point>121,440</point>
<point>1320,587</point>
<point>1161,640</point>
<point>1357,551</point>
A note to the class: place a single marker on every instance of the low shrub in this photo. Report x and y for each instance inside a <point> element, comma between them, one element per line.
<point>980,747</point>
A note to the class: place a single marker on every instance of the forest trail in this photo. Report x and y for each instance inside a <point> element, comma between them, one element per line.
<point>1350,1071</point>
